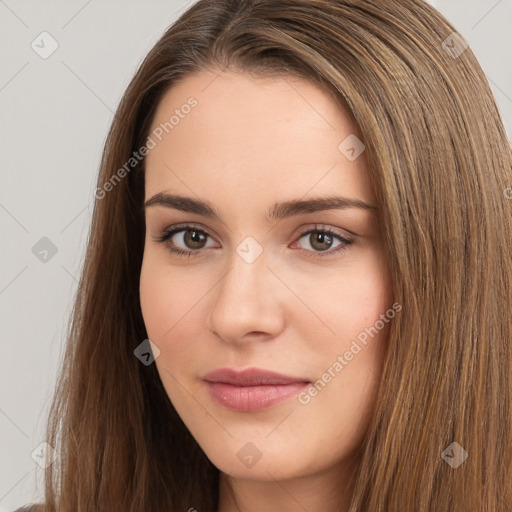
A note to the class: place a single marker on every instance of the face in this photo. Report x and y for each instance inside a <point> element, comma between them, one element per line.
<point>260,282</point>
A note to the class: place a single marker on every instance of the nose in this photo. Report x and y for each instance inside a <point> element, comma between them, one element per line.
<point>248,302</point>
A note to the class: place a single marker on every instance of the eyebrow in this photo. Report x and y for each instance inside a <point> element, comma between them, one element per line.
<point>278,211</point>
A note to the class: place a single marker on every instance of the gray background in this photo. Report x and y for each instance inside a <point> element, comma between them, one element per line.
<point>55,113</point>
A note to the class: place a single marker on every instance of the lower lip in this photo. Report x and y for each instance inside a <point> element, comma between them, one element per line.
<point>252,398</point>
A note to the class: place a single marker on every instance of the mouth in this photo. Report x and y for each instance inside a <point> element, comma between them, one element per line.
<point>253,389</point>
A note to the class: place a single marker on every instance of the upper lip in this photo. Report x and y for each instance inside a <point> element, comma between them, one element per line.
<point>250,377</point>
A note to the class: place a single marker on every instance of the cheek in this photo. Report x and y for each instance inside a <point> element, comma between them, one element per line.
<point>173,309</point>
<point>154,298</point>
<point>349,357</point>
<point>352,300</point>
<point>159,289</point>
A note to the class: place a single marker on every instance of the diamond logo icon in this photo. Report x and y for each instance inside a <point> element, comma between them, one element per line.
<point>44,250</point>
<point>249,249</point>
<point>249,454</point>
<point>351,147</point>
<point>454,455</point>
<point>147,352</point>
<point>455,45</point>
<point>44,455</point>
<point>44,45</point>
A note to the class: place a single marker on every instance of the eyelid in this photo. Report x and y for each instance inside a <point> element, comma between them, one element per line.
<point>343,233</point>
<point>182,227</point>
<point>301,230</point>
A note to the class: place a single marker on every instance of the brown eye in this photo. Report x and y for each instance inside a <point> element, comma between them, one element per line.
<point>194,239</point>
<point>184,240</point>
<point>321,240</point>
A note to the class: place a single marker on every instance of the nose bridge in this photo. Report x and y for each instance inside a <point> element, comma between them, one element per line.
<point>246,299</point>
<point>248,268</point>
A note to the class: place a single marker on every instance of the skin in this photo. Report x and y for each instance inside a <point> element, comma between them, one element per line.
<point>249,143</point>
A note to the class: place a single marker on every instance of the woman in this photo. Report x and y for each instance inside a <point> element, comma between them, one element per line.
<point>254,134</point>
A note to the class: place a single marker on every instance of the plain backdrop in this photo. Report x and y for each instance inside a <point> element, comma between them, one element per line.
<point>55,113</point>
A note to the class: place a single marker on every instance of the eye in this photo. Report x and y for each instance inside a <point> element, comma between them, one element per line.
<point>321,240</point>
<point>190,236</point>
<point>194,239</point>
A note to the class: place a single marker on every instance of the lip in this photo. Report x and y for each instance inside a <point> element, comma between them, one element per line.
<point>253,389</point>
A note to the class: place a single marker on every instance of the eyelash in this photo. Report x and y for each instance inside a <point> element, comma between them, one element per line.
<point>169,233</point>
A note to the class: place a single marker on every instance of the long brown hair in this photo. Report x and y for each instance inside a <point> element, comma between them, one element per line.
<point>441,165</point>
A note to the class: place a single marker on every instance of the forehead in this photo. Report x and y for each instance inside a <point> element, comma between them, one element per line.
<point>246,136</point>
<point>239,100</point>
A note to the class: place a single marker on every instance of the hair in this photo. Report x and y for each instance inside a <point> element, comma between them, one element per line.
<point>440,163</point>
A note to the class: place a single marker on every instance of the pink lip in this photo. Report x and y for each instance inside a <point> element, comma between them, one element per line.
<point>252,389</point>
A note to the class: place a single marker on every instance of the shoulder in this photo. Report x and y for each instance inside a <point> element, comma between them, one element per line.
<point>30,508</point>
